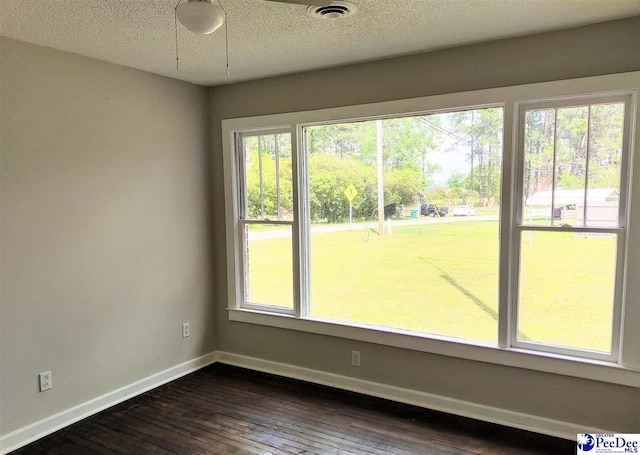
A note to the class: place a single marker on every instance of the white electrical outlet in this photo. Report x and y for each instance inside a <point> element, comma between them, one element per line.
<point>45,381</point>
<point>355,358</point>
<point>186,330</point>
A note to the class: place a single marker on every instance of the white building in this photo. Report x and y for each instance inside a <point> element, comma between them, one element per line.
<point>569,206</point>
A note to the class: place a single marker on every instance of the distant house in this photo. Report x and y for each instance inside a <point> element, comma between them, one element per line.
<point>568,205</point>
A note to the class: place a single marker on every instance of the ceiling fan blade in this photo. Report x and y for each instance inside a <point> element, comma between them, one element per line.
<point>305,2</point>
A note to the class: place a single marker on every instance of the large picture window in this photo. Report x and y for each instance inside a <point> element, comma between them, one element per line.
<point>475,224</point>
<point>434,267</point>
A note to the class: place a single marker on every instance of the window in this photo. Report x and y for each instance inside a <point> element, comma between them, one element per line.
<point>475,225</point>
<point>266,220</point>
<point>433,270</point>
<point>571,225</point>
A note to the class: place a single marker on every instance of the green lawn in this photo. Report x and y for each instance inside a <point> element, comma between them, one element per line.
<point>442,278</point>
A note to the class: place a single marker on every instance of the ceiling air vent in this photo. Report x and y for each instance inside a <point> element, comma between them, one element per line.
<point>336,10</point>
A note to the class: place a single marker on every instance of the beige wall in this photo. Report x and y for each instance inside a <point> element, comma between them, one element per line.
<point>105,228</point>
<point>587,51</point>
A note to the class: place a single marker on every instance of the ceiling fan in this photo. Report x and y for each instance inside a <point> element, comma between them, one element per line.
<point>204,17</point>
<point>305,2</point>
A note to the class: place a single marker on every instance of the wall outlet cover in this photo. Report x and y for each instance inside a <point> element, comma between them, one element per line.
<point>45,381</point>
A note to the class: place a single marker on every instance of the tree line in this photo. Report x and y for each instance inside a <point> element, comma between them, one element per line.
<point>565,137</point>
<point>346,153</point>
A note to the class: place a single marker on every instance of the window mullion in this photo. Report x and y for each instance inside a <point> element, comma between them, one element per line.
<point>618,297</point>
<point>241,208</point>
<point>515,286</point>
<point>268,221</point>
<point>517,194</point>
<point>586,170</point>
<point>576,230</point>
<point>300,236</point>
<point>260,173</point>
<point>304,228</point>
<point>627,157</point>
<point>507,204</point>
<point>554,177</point>
<point>243,266</point>
<point>295,235</point>
<point>627,288</point>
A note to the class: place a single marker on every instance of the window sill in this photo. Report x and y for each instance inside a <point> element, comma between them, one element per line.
<point>464,349</point>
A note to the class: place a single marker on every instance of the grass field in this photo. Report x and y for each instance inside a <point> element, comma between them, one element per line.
<point>442,278</point>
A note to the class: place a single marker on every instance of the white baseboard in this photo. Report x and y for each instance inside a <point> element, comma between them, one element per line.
<point>504,417</point>
<point>42,428</point>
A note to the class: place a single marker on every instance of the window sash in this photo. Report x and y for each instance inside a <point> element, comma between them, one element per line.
<point>241,167</point>
<point>244,267</point>
<point>518,227</point>
<point>614,354</point>
<point>243,222</point>
<point>625,99</point>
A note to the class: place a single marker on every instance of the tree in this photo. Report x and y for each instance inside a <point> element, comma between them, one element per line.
<point>538,159</point>
<point>266,159</point>
<point>329,176</point>
<point>595,131</point>
<point>401,186</point>
<point>407,144</point>
<point>345,154</point>
<point>605,148</point>
<point>344,139</point>
<point>571,147</point>
<point>481,130</point>
<point>458,191</point>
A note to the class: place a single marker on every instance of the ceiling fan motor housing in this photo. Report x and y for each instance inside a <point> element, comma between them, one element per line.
<point>200,16</point>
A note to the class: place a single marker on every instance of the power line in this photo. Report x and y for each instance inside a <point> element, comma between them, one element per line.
<point>450,134</point>
<point>442,130</point>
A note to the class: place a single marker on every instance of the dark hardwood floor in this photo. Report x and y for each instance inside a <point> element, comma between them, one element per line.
<point>223,409</point>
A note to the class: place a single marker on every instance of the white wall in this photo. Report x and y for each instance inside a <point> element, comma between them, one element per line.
<point>105,228</point>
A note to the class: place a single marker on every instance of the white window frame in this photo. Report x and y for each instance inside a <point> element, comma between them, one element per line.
<point>619,231</point>
<point>621,367</point>
<point>244,221</point>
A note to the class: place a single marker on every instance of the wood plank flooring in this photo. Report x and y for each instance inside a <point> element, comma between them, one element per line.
<point>228,410</point>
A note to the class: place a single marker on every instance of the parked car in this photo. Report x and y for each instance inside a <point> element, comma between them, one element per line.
<point>433,210</point>
<point>464,210</point>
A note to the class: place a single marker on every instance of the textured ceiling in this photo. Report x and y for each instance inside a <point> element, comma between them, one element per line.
<point>267,39</point>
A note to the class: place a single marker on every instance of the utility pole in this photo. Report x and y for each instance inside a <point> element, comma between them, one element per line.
<point>380,178</point>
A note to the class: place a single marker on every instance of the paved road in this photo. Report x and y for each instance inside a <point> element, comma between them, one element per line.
<point>319,229</point>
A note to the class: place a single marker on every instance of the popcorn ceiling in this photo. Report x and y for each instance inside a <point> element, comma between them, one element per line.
<point>267,39</point>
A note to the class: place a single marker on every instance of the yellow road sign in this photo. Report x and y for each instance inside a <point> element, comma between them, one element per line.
<point>350,192</point>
